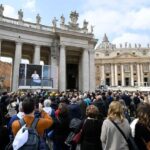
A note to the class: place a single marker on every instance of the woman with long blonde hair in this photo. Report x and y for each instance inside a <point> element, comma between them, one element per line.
<point>111,137</point>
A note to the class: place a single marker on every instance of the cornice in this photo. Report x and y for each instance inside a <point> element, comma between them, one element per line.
<point>27,30</point>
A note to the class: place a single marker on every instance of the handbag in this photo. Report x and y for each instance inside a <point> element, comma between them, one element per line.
<point>131,143</point>
<point>76,139</point>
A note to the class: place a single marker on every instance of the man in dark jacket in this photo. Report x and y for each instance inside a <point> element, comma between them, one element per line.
<point>74,109</point>
<point>101,105</point>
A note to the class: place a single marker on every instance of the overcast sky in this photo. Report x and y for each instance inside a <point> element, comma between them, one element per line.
<point>122,20</point>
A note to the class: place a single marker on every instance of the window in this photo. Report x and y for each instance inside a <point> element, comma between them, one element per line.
<point>127,68</point>
<point>106,53</point>
<point>107,68</point>
<point>144,52</point>
<point>145,68</point>
<point>134,67</point>
<point>97,54</point>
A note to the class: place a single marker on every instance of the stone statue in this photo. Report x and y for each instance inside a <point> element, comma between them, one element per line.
<point>54,22</point>
<point>20,14</point>
<point>139,45</point>
<point>38,19</point>
<point>120,45</point>
<point>74,17</point>
<point>125,44</point>
<point>62,20</point>
<point>1,10</point>
<point>129,45</point>
<point>92,27</point>
<point>85,24</point>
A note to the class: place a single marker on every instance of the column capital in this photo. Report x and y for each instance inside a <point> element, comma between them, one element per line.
<point>62,46</point>
<point>37,45</point>
<point>91,51</point>
<point>19,43</point>
<point>86,49</point>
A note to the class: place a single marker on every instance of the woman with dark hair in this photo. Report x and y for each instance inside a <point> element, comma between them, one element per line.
<point>61,128</point>
<point>142,127</point>
<point>91,130</point>
<point>111,137</point>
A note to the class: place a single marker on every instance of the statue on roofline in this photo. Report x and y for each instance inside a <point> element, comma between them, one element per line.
<point>120,45</point>
<point>38,19</point>
<point>74,17</point>
<point>1,10</point>
<point>85,24</point>
<point>20,14</point>
<point>139,45</point>
<point>54,22</point>
<point>92,27</point>
<point>62,20</point>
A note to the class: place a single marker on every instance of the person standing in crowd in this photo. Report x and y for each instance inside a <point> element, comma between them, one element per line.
<point>91,130</point>
<point>142,127</point>
<point>117,142</point>
<point>61,128</point>
<point>28,106</point>
<point>74,109</point>
<point>18,116</point>
<point>101,105</point>
<point>47,108</point>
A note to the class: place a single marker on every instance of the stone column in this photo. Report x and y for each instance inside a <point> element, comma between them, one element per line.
<point>138,75</point>
<point>80,74</point>
<point>53,57</point>
<point>36,57</point>
<point>131,71</point>
<point>102,75</point>
<point>122,75</point>
<point>17,61</point>
<point>0,48</point>
<point>92,71</point>
<point>62,69</point>
<point>112,75</point>
<point>85,70</point>
<point>141,69</point>
<point>116,75</point>
<point>54,66</point>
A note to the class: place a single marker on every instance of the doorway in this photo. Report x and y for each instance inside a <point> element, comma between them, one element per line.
<point>108,81</point>
<point>127,81</point>
<point>72,76</point>
<point>145,81</point>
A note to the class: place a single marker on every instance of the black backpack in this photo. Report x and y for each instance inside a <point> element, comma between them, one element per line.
<point>33,138</point>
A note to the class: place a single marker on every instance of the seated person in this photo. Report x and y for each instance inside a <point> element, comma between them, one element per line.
<point>35,79</point>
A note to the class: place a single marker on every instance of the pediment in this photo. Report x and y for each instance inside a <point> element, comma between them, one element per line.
<point>126,55</point>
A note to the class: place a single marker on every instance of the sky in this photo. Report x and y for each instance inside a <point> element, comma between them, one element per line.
<point>124,21</point>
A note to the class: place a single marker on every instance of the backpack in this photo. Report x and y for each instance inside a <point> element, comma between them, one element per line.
<point>32,141</point>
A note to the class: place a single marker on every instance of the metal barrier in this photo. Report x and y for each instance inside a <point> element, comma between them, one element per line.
<point>38,82</point>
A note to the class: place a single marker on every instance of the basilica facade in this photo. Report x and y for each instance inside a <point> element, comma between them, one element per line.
<point>67,46</point>
<point>125,66</point>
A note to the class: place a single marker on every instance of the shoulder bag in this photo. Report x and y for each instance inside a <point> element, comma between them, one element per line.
<point>131,143</point>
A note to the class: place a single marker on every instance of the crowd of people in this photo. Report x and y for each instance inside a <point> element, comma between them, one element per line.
<point>102,120</point>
